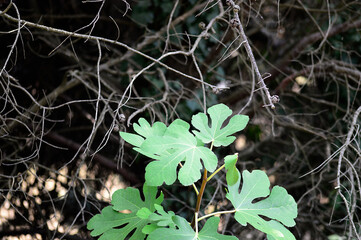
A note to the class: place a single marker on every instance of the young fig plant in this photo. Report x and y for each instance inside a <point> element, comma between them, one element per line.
<point>188,156</point>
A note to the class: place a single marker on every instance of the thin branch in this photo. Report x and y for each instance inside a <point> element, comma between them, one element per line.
<point>236,22</point>
<point>101,39</point>
<point>105,162</point>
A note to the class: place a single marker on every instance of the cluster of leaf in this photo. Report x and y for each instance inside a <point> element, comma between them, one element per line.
<point>176,145</point>
<point>146,218</point>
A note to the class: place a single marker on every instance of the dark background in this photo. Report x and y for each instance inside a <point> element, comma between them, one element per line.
<point>61,155</point>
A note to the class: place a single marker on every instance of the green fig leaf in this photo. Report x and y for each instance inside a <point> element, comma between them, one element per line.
<point>215,133</point>
<point>177,145</point>
<point>158,220</point>
<point>185,232</point>
<point>144,130</point>
<point>278,205</point>
<point>112,224</point>
<point>162,217</point>
<point>131,138</point>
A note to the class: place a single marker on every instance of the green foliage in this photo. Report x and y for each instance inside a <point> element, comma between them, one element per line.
<point>125,199</point>
<point>185,231</point>
<point>144,130</point>
<point>175,144</point>
<point>232,175</point>
<point>176,147</point>
<point>161,219</point>
<point>335,237</point>
<point>216,134</point>
<point>279,205</point>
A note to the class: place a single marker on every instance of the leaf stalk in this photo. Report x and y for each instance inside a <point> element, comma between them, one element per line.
<point>215,172</point>
<point>215,213</point>
<point>199,197</point>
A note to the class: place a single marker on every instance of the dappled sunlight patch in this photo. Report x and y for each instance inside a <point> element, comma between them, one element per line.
<point>111,184</point>
<point>6,212</point>
<point>36,236</point>
<point>209,209</point>
<point>60,190</point>
<point>50,184</point>
<point>83,171</point>
<point>53,222</point>
<point>62,173</point>
<point>240,142</point>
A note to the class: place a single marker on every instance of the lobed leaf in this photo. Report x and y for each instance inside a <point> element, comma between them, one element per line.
<point>129,225</point>
<point>105,221</point>
<point>145,130</point>
<point>143,213</point>
<point>131,138</point>
<point>162,218</point>
<point>176,146</point>
<point>185,232</point>
<point>157,220</point>
<point>279,206</point>
<point>215,133</point>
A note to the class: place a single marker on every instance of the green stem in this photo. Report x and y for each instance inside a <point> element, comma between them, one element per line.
<point>195,189</point>
<point>215,172</point>
<point>215,213</point>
